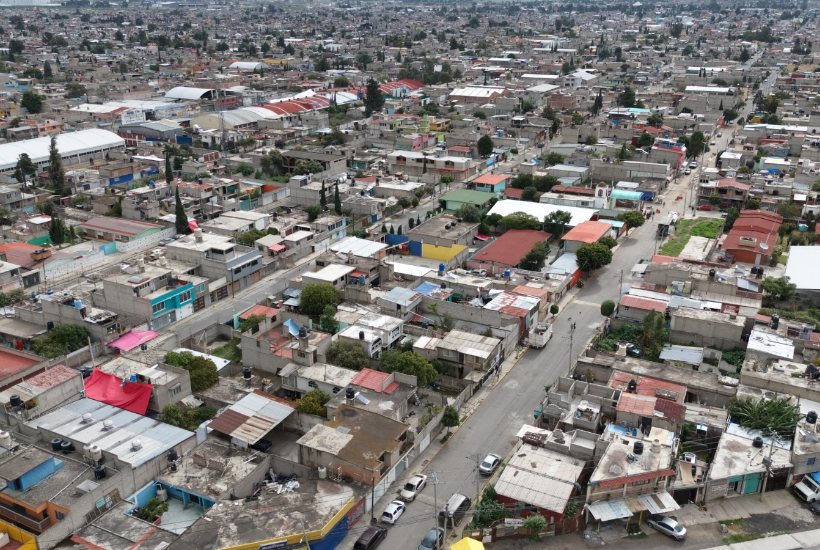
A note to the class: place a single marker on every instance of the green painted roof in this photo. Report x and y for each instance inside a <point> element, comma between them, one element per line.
<point>468,196</point>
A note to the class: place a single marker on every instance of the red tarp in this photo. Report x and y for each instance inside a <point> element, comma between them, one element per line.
<point>192,224</point>
<point>108,388</point>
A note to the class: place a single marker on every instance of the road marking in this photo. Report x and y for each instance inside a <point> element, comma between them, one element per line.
<point>581,302</point>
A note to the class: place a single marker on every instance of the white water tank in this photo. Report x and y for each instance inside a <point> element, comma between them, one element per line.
<point>322,472</point>
<point>162,493</point>
<point>621,350</point>
<point>5,439</point>
<point>95,453</point>
<point>87,450</point>
<point>656,446</point>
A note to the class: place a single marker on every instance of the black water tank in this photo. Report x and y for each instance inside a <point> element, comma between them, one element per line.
<point>15,401</point>
<point>758,443</point>
<point>49,325</point>
<point>172,455</point>
<point>66,447</point>
<point>55,444</point>
<point>459,220</point>
<point>775,321</point>
<point>246,373</point>
<point>632,386</point>
<point>811,417</point>
<point>303,332</point>
<point>99,472</point>
<point>443,285</point>
<point>712,273</point>
<point>637,448</point>
<point>350,393</point>
<point>361,335</point>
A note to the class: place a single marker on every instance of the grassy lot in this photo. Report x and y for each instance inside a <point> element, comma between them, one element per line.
<point>698,227</point>
<point>230,351</point>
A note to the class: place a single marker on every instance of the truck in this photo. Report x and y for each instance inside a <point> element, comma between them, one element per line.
<point>809,487</point>
<point>540,334</point>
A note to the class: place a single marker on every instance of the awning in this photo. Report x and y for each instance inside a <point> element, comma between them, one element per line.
<point>481,237</point>
<point>606,510</point>
<point>130,340</point>
<point>467,544</point>
<point>277,248</point>
<point>191,401</point>
<point>659,503</point>
<point>357,274</point>
<point>292,302</point>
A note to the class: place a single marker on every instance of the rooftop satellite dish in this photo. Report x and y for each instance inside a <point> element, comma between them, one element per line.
<point>764,246</point>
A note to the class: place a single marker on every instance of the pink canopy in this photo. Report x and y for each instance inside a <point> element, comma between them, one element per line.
<point>192,224</point>
<point>130,340</point>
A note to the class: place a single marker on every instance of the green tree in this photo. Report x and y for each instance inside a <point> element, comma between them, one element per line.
<point>598,104</point>
<point>469,213</point>
<point>534,259</point>
<point>313,402</point>
<point>316,297</point>
<point>554,309</point>
<point>74,89</point>
<point>47,72</point>
<point>608,241</point>
<point>556,222</point>
<point>348,355</point>
<point>715,200</point>
<point>188,418</point>
<point>653,335</point>
<point>697,144</point>
<point>201,370</point>
<point>181,221</point>
<point>632,219</point>
<point>303,166</point>
<point>485,146</point>
<point>555,158</point>
<point>61,340</point>
<point>10,298</point>
<point>530,194</point>
<point>246,169</point>
<point>607,308</point>
<point>645,140</point>
<point>327,321</point>
<point>627,98</point>
<point>520,220</point>
<point>364,59</point>
<point>731,217</point>
<point>407,362</point>
<point>593,256</point>
<point>323,196</point>
<point>788,210</point>
<point>654,119</point>
<point>450,418</point>
<point>251,323</point>
<point>373,99</point>
<point>57,231</point>
<point>341,82</point>
<point>25,168</point>
<point>56,174</point>
<point>32,102</point>
<point>779,288</point>
<point>337,200</point>
<point>169,171</point>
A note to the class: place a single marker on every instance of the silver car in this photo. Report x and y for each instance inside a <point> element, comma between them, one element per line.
<point>667,526</point>
<point>489,464</point>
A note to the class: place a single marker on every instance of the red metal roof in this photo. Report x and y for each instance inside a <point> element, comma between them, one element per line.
<point>733,183</point>
<point>388,87</point>
<point>374,380</point>
<point>53,377</point>
<point>513,193</point>
<point>628,300</point>
<point>641,405</point>
<point>670,408</point>
<point>511,247</point>
<point>118,226</point>
<point>646,386</point>
<point>634,479</point>
<point>588,232</point>
<point>260,310</point>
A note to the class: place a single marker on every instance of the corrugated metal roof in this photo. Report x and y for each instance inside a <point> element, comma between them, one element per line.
<point>540,477</point>
<point>156,437</point>
<point>253,416</point>
<point>606,510</point>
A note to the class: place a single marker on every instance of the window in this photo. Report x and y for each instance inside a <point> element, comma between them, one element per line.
<point>163,276</point>
<point>175,390</point>
<point>810,461</point>
<point>185,296</point>
<point>312,384</point>
<point>644,482</point>
<point>156,308</point>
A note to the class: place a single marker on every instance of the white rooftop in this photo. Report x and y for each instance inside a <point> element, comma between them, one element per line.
<point>541,211</point>
<point>803,260</point>
<point>771,344</point>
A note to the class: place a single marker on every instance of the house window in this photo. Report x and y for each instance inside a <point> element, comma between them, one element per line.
<point>156,308</point>
<point>810,461</point>
<point>446,353</point>
<point>185,296</point>
<point>644,482</point>
<point>175,390</point>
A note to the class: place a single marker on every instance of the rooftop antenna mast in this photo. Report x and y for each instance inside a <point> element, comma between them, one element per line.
<point>223,132</point>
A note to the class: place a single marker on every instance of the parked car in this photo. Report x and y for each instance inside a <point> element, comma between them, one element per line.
<point>705,207</point>
<point>667,526</point>
<point>371,538</point>
<point>693,164</point>
<point>712,143</point>
<point>815,507</point>
<point>413,487</point>
<point>433,540</point>
<point>720,134</point>
<point>687,171</point>
<point>262,445</point>
<point>489,464</point>
<point>393,512</point>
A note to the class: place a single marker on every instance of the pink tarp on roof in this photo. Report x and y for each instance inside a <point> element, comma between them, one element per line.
<point>192,225</point>
<point>108,388</point>
<point>130,340</point>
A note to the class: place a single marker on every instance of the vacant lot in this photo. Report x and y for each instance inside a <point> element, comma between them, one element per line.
<point>698,227</point>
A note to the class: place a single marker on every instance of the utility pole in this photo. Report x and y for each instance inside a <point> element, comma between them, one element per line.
<point>372,498</point>
<point>446,520</point>
<point>477,479</point>
<point>304,534</point>
<point>435,501</point>
<point>767,462</point>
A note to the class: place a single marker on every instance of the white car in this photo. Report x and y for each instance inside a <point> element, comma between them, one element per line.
<point>489,464</point>
<point>393,512</point>
<point>413,487</point>
<point>712,143</point>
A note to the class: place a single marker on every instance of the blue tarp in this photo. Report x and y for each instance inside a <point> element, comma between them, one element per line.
<point>293,328</point>
<point>815,476</point>
<point>427,288</point>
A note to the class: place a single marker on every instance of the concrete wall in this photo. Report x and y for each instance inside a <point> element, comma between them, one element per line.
<point>684,330</point>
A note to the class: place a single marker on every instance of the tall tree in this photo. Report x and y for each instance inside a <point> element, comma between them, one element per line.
<point>181,221</point>
<point>337,200</point>
<point>169,171</point>
<point>47,72</point>
<point>25,168</point>
<point>56,174</point>
<point>323,196</point>
<point>56,230</point>
<point>373,99</point>
<point>485,146</point>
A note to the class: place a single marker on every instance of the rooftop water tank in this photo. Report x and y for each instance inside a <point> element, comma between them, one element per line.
<point>637,448</point>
